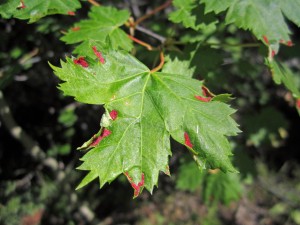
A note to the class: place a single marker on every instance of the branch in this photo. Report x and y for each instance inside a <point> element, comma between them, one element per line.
<point>17,132</point>
<point>159,8</point>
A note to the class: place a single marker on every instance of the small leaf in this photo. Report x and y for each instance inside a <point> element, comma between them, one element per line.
<point>104,22</point>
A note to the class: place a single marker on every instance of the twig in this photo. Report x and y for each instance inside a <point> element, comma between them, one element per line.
<point>162,62</point>
<point>246,45</point>
<point>151,33</point>
<point>17,132</point>
<point>93,2</point>
<point>149,47</point>
<point>28,56</point>
<point>159,8</point>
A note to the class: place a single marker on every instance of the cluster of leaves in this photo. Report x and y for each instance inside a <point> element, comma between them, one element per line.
<point>144,107</point>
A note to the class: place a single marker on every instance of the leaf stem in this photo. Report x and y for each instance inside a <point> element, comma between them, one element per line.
<point>246,45</point>
<point>162,62</point>
<point>159,8</point>
<point>93,2</point>
<point>149,47</point>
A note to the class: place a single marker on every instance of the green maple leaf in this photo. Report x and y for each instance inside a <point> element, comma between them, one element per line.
<point>281,74</point>
<point>191,15</point>
<point>36,9</point>
<point>262,17</point>
<point>151,107</point>
<point>103,23</point>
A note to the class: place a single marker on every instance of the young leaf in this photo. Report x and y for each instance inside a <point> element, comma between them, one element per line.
<point>150,108</point>
<point>103,23</point>
<point>36,9</point>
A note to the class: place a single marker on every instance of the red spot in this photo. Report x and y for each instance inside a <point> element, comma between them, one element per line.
<point>98,54</point>
<point>81,61</point>
<point>266,40</point>
<point>203,99</point>
<point>97,140</point>
<point>136,187</point>
<point>298,103</point>
<point>281,41</point>
<point>289,43</point>
<point>273,53</point>
<point>113,114</point>
<point>206,92</point>
<point>187,141</point>
<point>75,28</point>
<point>71,13</point>
<point>22,5</point>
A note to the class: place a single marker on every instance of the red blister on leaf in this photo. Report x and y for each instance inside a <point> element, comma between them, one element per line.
<point>206,92</point>
<point>273,53</point>
<point>98,54</point>
<point>81,61</point>
<point>136,187</point>
<point>266,40</point>
<point>71,13</point>
<point>203,99</point>
<point>298,103</point>
<point>187,140</point>
<point>289,43</point>
<point>97,140</point>
<point>113,114</point>
<point>22,5</point>
<point>75,28</point>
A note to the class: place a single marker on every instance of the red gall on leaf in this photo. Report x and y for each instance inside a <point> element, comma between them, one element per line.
<point>81,61</point>
<point>71,13</point>
<point>187,140</point>
<point>98,54</point>
<point>289,43</point>
<point>298,103</point>
<point>273,53</point>
<point>113,114</point>
<point>206,92</point>
<point>266,40</point>
<point>75,28</point>
<point>203,99</point>
<point>97,140</point>
<point>136,187</point>
<point>22,5</point>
